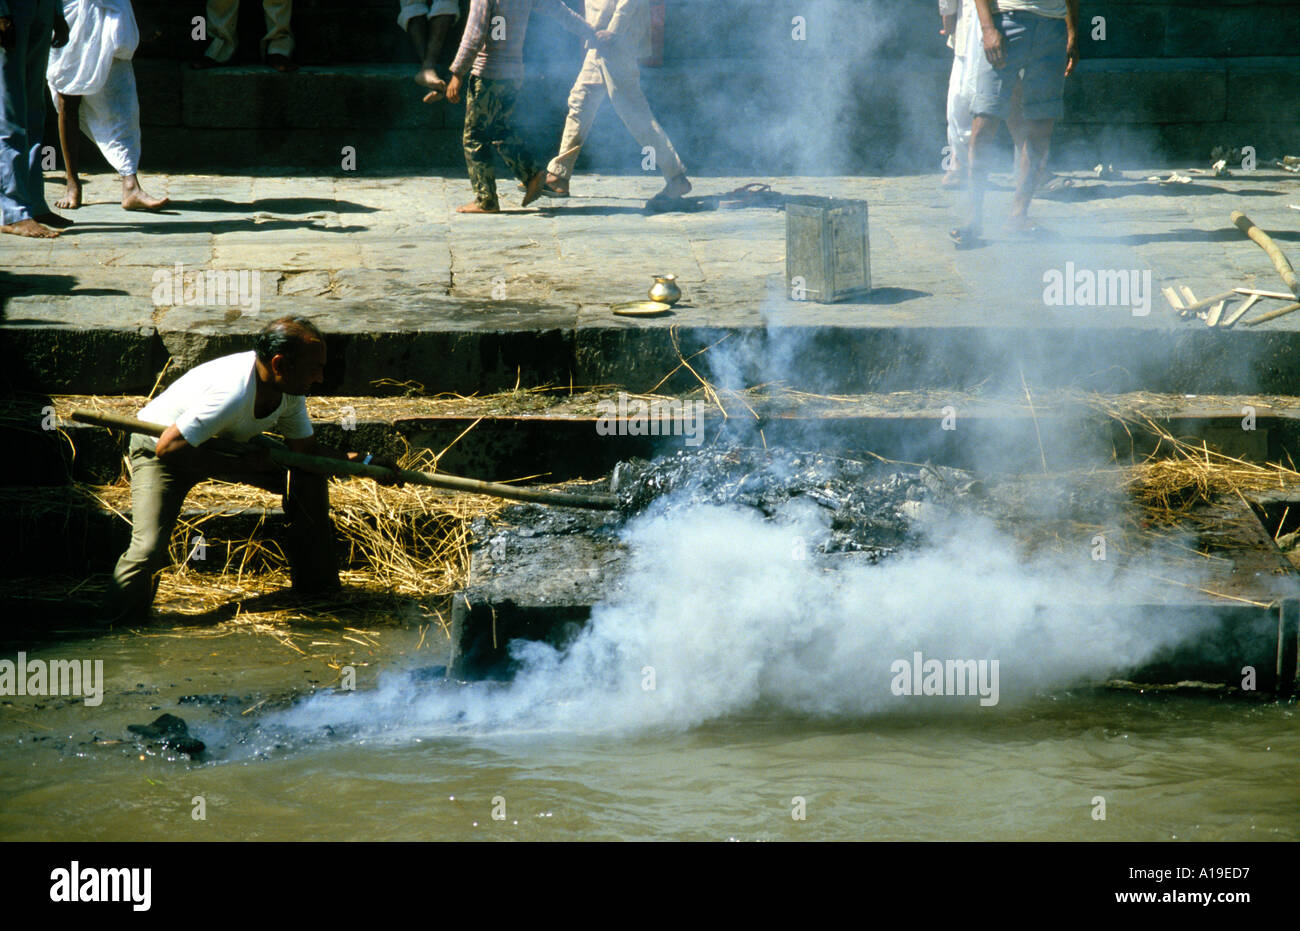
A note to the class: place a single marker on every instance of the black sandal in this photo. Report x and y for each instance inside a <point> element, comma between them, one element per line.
<point>964,237</point>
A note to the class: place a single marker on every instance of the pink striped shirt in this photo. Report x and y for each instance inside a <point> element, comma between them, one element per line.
<point>494,35</point>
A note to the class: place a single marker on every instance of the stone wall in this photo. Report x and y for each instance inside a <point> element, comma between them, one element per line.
<point>862,90</point>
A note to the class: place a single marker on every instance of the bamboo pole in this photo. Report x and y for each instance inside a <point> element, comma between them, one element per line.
<point>1198,306</point>
<point>1273,314</point>
<point>291,460</point>
<point>1262,239</point>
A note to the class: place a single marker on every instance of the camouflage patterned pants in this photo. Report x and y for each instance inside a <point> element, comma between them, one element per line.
<point>489,121</point>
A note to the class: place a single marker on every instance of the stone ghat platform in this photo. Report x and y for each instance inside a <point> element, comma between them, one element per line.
<point>411,292</point>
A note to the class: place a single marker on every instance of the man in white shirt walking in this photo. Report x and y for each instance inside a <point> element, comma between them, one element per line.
<point>236,397</point>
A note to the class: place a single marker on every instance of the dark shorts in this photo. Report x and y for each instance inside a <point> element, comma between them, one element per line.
<point>1037,45</point>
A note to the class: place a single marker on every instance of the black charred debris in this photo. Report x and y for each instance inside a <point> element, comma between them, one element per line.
<point>872,509</point>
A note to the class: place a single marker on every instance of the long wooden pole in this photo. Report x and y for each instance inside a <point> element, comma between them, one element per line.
<point>1274,314</point>
<point>1265,242</point>
<point>291,460</point>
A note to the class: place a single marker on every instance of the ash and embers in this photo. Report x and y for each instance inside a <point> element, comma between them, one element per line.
<point>871,509</point>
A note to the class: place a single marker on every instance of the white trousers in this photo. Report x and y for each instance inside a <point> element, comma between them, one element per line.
<point>961,93</point>
<point>111,117</point>
<point>616,74</point>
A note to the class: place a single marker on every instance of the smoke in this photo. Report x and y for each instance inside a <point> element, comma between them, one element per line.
<point>722,613</point>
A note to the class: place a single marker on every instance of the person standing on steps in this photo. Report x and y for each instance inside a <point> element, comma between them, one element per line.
<point>93,85</point>
<point>28,30</point>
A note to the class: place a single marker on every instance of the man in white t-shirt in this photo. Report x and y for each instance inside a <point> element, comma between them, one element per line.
<point>235,397</point>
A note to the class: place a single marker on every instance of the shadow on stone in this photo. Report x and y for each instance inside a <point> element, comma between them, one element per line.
<point>273,205</point>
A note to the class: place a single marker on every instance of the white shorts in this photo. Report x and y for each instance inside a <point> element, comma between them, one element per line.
<point>429,8</point>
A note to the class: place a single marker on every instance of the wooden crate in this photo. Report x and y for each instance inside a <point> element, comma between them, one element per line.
<point>827,250</point>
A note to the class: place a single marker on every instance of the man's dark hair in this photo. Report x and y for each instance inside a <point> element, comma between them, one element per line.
<point>285,337</point>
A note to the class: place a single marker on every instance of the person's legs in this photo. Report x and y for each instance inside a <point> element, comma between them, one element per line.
<point>478,152</point>
<point>439,26</point>
<point>959,124</point>
<point>413,19</point>
<point>69,108</point>
<point>309,534</point>
<point>1043,104</point>
<point>112,118</point>
<point>983,131</point>
<point>1030,169</point>
<point>277,44</point>
<point>990,107</point>
<point>585,98</point>
<point>442,16</point>
<point>514,151</point>
<point>157,494</point>
<point>309,531</point>
<point>623,81</point>
<point>18,204</point>
<point>39,57</point>
<point>222,21</point>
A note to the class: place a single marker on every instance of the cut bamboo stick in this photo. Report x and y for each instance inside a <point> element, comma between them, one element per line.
<point>1237,314</point>
<point>1274,314</point>
<point>1262,239</point>
<point>1198,306</point>
<point>1215,312</point>
<point>1172,297</point>
<point>1280,295</point>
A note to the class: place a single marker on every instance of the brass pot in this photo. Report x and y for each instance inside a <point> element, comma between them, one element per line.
<point>665,289</point>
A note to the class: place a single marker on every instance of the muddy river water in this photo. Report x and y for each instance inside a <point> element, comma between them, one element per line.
<point>281,768</point>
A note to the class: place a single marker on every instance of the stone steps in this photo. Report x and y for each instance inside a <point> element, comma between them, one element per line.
<point>469,347</point>
<point>49,524</point>
<point>723,115</point>
<point>560,437</point>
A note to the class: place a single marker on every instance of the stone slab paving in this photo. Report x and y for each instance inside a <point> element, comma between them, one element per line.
<point>369,255</point>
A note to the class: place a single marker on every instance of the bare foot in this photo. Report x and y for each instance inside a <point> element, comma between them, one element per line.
<point>139,200</point>
<point>475,207</point>
<point>1020,225</point>
<point>429,78</point>
<point>534,188</point>
<point>438,93</point>
<point>54,221</point>
<point>70,200</point>
<point>953,181</point>
<point>29,228</point>
<point>674,188</point>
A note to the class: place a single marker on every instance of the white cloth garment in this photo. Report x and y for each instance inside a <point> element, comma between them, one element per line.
<point>966,42</point>
<point>99,31</point>
<point>95,65</point>
<point>430,8</point>
<point>216,399</point>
